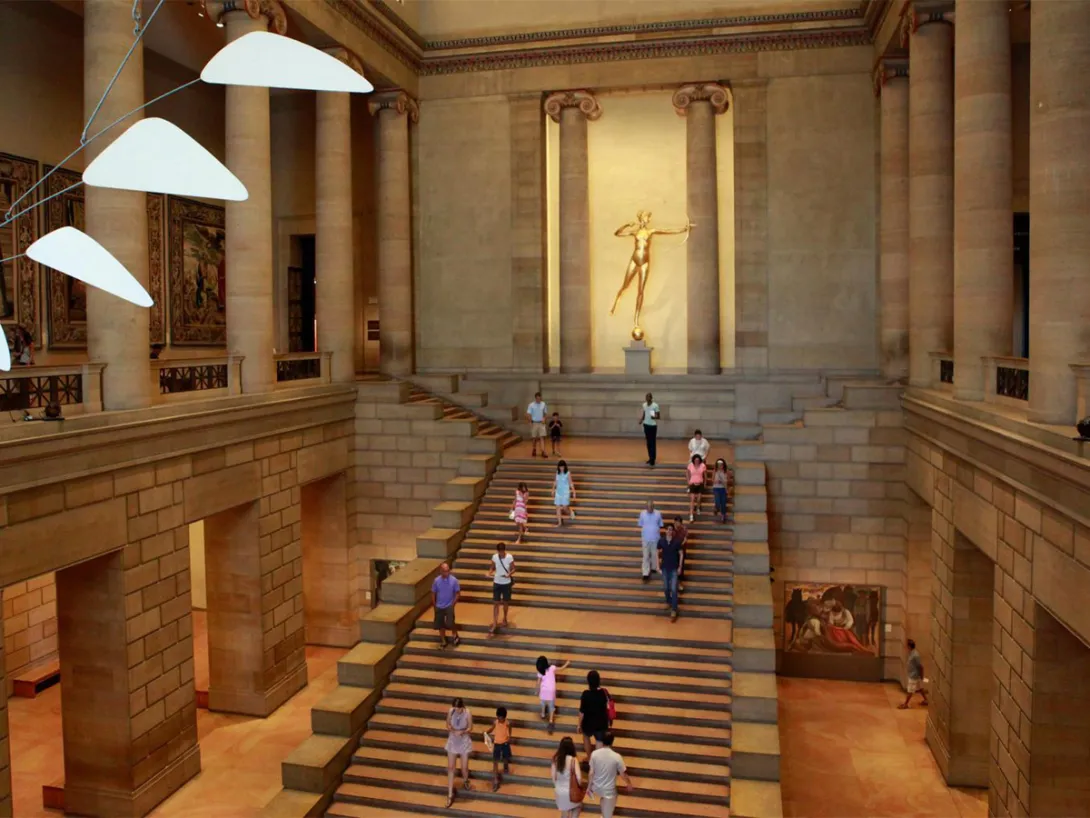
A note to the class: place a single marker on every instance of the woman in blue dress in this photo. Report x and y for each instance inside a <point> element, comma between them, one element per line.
<point>563,492</point>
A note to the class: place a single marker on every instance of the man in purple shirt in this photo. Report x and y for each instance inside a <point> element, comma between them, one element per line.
<point>445,591</point>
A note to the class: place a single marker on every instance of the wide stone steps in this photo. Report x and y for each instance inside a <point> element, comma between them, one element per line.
<point>674,696</point>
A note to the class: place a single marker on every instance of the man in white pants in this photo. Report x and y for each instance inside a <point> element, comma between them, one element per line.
<point>606,766</point>
<point>650,526</point>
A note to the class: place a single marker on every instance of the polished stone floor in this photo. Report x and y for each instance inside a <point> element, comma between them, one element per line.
<point>848,752</point>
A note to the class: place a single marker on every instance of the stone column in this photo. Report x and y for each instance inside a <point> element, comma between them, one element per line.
<point>700,104</point>
<point>395,274</point>
<point>930,187</point>
<point>117,331</point>
<point>249,224</point>
<point>1059,194</point>
<point>572,109</point>
<point>333,204</point>
<point>983,235</point>
<point>891,84</point>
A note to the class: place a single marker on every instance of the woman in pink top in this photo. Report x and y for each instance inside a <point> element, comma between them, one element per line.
<point>519,512</point>
<point>546,689</point>
<point>696,471</point>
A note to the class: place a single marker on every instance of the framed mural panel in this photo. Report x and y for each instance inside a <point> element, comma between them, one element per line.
<point>198,273</point>
<point>67,297</point>
<point>19,277</point>
<point>832,631</point>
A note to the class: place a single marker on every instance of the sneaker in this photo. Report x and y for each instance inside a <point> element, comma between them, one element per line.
<point>673,616</point>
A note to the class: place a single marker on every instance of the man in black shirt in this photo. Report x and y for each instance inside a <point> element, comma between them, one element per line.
<point>671,559</point>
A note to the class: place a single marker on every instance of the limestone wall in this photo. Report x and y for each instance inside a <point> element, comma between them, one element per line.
<point>30,625</point>
<point>1020,508</point>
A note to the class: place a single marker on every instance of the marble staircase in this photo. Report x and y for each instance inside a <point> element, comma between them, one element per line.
<point>579,597</point>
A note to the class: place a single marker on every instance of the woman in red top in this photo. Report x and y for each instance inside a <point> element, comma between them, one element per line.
<point>696,471</point>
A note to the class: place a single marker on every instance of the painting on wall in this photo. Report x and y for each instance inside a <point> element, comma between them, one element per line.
<point>67,297</point>
<point>18,277</point>
<point>832,630</point>
<point>198,273</point>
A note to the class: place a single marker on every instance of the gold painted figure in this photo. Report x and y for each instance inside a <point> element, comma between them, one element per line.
<point>640,263</point>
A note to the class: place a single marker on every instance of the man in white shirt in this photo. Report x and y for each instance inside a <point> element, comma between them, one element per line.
<point>606,766</point>
<point>650,529</point>
<point>699,445</point>
<point>649,419</point>
<point>536,413</point>
<point>502,572</point>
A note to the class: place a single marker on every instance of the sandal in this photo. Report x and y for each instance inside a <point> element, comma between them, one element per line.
<point>466,785</point>
<point>457,641</point>
<point>450,801</point>
<point>495,786</point>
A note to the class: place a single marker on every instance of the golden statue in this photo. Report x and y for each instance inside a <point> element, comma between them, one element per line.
<point>640,263</point>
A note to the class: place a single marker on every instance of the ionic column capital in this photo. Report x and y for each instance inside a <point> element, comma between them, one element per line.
<point>585,101</point>
<point>888,69</point>
<point>270,9</point>
<point>922,12</point>
<point>711,92</point>
<point>347,57</point>
<point>397,101</point>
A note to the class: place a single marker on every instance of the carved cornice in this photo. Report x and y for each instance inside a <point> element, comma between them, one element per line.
<point>347,57</point>
<point>583,100</point>
<point>397,101</point>
<point>711,92</point>
<point>270,9</point>
<point>887,69</point>
<point>922,13</point>
<point>675,38</point>
<point>874,14</point>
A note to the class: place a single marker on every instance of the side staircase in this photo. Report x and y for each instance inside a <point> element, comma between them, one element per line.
<point>696,712</point>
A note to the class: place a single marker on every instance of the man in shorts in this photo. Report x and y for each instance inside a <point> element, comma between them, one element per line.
<point>502,573</point>
<point>445,591</point>
<point>606,767</point>
<point>536,413</point>
<point>915,680</point>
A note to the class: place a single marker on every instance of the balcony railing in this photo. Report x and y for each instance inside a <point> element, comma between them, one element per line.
<point>1006,380</point>
<point>312,367</point>
<point>189,378</point>
<point>942,371</point>
<point>77,389</point>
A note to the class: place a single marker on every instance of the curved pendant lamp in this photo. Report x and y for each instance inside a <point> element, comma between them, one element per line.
<point>157,156</point>
<point>74,253</point>
<point>266,60</point>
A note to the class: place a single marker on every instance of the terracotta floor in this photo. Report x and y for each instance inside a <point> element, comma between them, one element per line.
<point>240,756</point>
<point>848,752</point>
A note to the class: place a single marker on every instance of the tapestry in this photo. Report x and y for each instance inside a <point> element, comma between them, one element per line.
<point>67,297</point>
<point>18,277</point>
<point>198,273</point>
<point>837,619</point>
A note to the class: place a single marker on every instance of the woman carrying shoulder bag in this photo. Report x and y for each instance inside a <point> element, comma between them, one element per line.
<point>567,780</point>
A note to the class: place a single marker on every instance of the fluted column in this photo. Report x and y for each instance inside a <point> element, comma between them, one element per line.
<point>333,242</point>
<point>891,84</point>
<point>395,292</point>
<point>572,109</point>
<point>930,187</point>
<point>983,238</point>
<point>1059,196</point>
<point>700,104</point>
<point>249,227</point>
<point>117,331</point>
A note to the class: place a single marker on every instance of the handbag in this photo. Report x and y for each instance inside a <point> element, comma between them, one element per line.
<point>576,791</point>
<point>511,514</point>
<point>611,708</point>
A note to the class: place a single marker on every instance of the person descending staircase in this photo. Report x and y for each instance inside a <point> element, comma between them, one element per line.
<point>578,597</point>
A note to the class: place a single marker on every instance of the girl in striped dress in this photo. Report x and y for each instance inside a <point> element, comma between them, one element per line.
<point>519,511</point>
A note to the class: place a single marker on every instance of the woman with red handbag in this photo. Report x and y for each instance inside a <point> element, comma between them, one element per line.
<point>567,780</point>
<point>594,717</point>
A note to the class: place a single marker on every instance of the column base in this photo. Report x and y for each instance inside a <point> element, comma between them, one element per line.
<point>968,394</point>
<point>576,370</point>
<point>256,702</point>
<point>139,802</point>
<point>704,370</point>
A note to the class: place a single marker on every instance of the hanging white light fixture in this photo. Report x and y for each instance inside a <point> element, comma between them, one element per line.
<point>157,156</point>
<point>266,60</point>
<point>74,253</point>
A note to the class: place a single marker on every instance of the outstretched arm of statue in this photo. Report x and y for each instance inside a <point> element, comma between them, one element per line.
<point>671,231</point>
<point>626,230</point>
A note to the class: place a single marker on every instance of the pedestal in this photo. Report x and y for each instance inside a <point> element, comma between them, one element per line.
<point>637,358</point>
